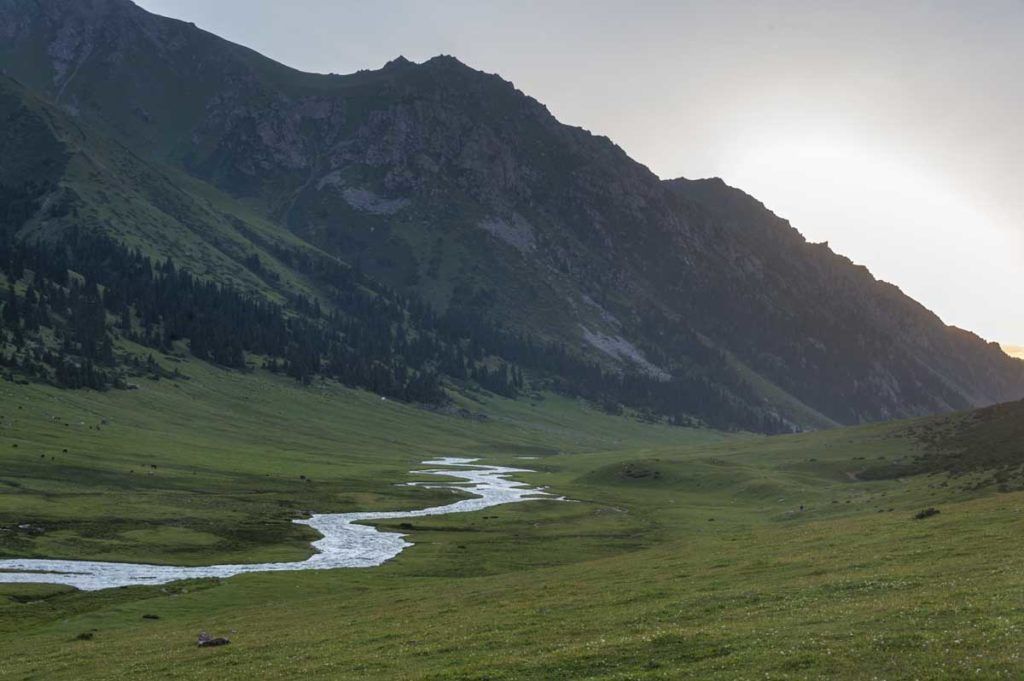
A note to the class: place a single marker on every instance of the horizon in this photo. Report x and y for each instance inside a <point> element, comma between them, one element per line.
<point>837,131</point>
<point>1014,350</point>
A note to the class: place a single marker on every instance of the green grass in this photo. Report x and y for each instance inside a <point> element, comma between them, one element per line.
<point>684,553</point>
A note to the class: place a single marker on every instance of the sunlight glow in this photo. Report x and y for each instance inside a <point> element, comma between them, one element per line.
<point>881,208</point>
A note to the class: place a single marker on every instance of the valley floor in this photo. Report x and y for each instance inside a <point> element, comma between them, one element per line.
<point>686,553</point>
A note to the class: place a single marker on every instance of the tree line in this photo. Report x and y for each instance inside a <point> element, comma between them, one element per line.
<point>68,301</point>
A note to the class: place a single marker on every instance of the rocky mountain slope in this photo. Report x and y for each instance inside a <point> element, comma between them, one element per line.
<point>452,186</point>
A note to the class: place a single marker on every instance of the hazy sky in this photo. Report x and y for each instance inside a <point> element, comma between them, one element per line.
<point>893,130</point>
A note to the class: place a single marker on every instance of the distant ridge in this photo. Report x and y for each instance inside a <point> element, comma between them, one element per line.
<point>1014,350</point>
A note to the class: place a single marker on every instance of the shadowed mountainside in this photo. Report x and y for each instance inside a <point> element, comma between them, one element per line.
<point>451,185</point>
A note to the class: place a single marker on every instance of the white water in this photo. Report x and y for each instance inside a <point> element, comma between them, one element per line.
<point>345,543</point>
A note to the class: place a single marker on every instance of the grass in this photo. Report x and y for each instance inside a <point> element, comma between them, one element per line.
<point>684,554</point>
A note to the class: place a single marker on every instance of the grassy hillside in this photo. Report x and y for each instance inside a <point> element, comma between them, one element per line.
<point>984,442</point>
<point>685,553</point>
<point>88,181</point>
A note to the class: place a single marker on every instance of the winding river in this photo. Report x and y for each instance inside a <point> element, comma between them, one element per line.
<point>346,543</point>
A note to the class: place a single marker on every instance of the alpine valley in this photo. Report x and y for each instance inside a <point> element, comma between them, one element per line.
<point>235,295</point>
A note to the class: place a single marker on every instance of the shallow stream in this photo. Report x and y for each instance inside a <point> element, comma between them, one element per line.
<point>346,542</point>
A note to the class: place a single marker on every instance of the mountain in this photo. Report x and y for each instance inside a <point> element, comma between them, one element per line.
<point>442,184</point>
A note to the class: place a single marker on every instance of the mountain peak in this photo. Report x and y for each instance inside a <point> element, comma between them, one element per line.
<point>446,61</point>
<point>437,62</point>
<point>398,62</point>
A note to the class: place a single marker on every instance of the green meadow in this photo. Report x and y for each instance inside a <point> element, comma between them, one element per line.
<point>681,553</point>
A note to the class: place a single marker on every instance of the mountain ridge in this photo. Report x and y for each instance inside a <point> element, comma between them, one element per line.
<point>451,184</point>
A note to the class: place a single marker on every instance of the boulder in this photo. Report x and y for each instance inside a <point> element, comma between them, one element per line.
<point>207,641</point>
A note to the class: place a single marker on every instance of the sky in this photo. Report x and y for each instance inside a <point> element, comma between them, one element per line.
<point>892,129</point>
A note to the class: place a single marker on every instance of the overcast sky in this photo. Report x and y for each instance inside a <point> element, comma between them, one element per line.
<point>893,130</point>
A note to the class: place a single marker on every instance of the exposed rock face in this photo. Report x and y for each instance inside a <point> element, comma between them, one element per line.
<point>438,174</point>
<point>621,349</point>
<point>515,231</point>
